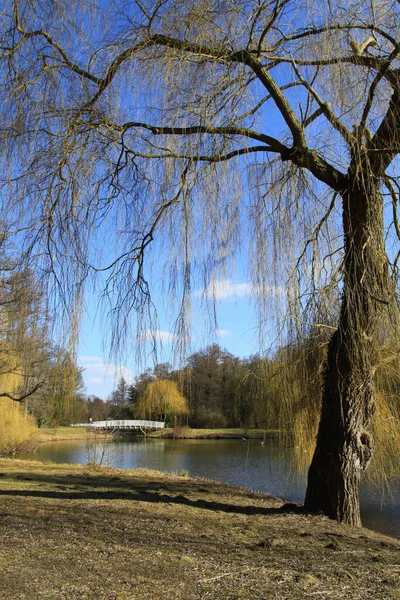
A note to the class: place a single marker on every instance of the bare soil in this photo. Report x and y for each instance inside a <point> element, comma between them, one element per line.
<point>70,532</point>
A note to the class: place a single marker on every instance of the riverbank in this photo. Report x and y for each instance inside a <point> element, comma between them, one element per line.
<point>187,433</point>
<point>44,435</point>
<point>70,532</point>
<point>58,434</point>
<point>62,434</point>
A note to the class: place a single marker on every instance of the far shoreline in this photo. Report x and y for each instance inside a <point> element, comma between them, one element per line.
<point>68,433</point>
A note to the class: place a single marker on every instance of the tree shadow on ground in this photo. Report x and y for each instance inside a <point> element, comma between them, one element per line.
<point>98,487</point>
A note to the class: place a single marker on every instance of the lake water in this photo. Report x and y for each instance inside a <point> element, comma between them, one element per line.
<point>261,468</point>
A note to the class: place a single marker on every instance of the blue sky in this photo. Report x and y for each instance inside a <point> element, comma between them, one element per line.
<point>236,329</point>
<point>236,332</point>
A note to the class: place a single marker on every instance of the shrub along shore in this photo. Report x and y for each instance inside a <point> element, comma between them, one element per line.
<point>68,531</point>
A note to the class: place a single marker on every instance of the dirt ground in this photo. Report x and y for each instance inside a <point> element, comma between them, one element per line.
<point>74,533</point>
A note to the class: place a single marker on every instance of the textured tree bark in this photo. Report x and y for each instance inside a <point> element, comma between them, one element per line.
<point>344,442</point>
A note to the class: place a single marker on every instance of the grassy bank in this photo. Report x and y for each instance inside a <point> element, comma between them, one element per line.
<point>58,434</point>
<point>186,433</point>
<point>74,433</point>
<point>68,532</point>
<point>39,436</point>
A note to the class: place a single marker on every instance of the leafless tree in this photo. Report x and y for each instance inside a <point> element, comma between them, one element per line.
<point>183,129</point>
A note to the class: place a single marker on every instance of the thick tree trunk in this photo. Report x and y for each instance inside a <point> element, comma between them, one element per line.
<point>344,442</point>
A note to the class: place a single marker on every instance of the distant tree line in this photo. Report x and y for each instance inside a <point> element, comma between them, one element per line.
<point>221,390</point>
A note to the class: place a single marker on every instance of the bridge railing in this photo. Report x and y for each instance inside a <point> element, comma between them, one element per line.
<point>122,424</point>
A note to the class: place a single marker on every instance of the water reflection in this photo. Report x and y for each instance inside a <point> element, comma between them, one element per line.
<point>263,468</point>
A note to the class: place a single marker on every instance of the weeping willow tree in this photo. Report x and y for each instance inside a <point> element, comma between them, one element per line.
<point>184,132</point>
<point>18,360</point>
<point>33,371</point>
<point>23,334</point>
<point>295,378</point>
<point>161,399</point>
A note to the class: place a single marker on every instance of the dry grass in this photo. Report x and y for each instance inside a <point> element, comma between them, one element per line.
<point>58,434</point>
<point>68,532</point>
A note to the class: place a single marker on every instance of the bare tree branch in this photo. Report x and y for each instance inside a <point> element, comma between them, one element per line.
<point>22,397</point>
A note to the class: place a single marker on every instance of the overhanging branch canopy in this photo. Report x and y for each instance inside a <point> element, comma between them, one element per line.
<point>140,123</point>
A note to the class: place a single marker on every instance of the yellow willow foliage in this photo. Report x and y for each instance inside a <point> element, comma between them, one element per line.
<point>161,398</point>
<point>11,377</point>
<point>305,427</point>
<point>10,382</point>
<point>386,433</point>
<point>385,464</point>
<point>17,429</point>
<point>63,386</point>
<point>300,386</point>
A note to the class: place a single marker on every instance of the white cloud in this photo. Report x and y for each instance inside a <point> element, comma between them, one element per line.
<point>90,359</point>
<point>95,380</point>
<point>222,332</point>
<point>101,378</point>
<point>106,369</point>
<point>226,288</point>
<point>159,335</point>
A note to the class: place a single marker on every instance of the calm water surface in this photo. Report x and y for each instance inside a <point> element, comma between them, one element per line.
<point>262,468</point>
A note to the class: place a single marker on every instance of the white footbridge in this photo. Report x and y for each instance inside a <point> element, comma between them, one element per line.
<point>122,425</point>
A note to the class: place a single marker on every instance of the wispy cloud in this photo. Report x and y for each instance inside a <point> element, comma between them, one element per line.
<point>158,335</point>
<point>224,289</point>
<point>222,332</point>
<point>96,380</point>
<point>90,359</point>
<point>100,377</point>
